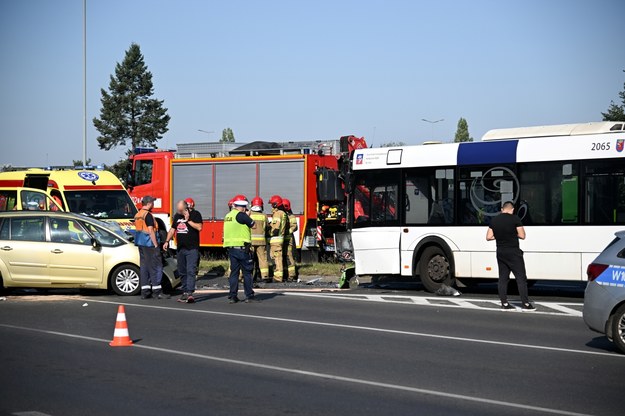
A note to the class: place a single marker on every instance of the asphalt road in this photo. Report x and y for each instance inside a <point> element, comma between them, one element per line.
<point>299,355</point>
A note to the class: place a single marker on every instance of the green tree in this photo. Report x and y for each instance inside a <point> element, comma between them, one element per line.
<point>462,132</point>
<point>129,113</point>
<point>393,144</point>
<point>615,111</point>
<point>227,135</point>
<point>76,163</point>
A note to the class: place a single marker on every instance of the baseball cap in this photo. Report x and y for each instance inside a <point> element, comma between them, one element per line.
<point>147,199</point>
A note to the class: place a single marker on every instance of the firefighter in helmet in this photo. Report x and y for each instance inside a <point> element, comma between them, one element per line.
<point>259,238</point>
<point>289,242</point>
<point>278,229</point>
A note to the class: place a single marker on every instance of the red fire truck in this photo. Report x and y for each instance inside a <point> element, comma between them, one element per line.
<point>307,173</point>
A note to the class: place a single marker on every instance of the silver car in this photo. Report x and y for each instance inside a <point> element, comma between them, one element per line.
<point>604,301</point>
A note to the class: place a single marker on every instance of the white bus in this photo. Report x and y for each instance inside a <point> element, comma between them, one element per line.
<point>424,210</point>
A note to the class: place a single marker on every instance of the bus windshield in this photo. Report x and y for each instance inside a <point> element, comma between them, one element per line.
<point>103,204</point>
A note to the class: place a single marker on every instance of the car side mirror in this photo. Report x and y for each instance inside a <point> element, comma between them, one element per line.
<point>96,244</point>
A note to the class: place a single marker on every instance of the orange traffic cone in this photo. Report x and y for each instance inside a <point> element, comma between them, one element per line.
<point>121,337</point>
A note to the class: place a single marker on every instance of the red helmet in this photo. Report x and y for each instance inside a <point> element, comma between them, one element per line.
<point>286,204</point>
<point>275,201</point>
<point>190,202</point>
<point>258,202</point>
<point>230,203</point>
<point>240,200</point>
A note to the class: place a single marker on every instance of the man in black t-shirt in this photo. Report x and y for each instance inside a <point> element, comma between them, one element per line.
<point>507,229</point>
<point>186,225</point>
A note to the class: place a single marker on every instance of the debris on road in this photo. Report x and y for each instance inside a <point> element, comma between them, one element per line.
<point>3,298</point>
<point>85,304</point>
<point>445,290</point>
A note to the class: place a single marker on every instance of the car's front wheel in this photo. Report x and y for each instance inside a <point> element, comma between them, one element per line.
<point>125,280</point>
<point>618,328</point>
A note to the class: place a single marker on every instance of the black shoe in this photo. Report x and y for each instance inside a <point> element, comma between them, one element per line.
<point>183,298</point>
<point>507,307</point>
<point>233,300</point>
<point>528,307</point>
<point>252,300</point>
<point>162,296</point>
<point>148,296</point>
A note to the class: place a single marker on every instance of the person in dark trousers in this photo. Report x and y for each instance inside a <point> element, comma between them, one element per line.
<point>150,261</point>
<point>186,225</point>
<point>238,240</point>
<point>507,229</point>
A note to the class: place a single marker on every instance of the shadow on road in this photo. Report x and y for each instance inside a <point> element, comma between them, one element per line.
<point>602,343</point>
<point>539,288</point>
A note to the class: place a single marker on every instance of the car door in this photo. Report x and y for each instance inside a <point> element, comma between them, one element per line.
<point>73,260</point>
<point>24,251</point>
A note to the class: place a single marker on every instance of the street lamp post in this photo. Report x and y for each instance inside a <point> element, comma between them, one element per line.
<point>432,123</point>
<point>208,133</point>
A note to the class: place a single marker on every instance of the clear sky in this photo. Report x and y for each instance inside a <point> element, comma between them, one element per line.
<point>301,70</point>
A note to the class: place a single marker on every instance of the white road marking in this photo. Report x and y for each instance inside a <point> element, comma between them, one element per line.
<point>312,374</point>
<point>30,413</point>
<point>367,328</point>
<point>552,308</point>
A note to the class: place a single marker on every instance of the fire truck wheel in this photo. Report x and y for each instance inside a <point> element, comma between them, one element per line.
<point>125,280</point>
<point>434,268</point>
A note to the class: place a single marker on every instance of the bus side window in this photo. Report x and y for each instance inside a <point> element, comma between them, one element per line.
<point>429,196</point>
<point>549,193</point>
<point>483,189</point>
<point>605,192</point>
<point>376,199</point>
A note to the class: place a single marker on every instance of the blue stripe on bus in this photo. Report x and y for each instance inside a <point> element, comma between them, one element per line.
<point>486,153</point>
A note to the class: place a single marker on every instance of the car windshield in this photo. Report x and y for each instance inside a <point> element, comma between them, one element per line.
<point>103,204</point>
<point>111,226</point>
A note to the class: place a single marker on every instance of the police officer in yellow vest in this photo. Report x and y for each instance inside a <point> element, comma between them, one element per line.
<point>259,237</point>
<point>290,240</point>
<point>278,229</point>
<point>238,241</point>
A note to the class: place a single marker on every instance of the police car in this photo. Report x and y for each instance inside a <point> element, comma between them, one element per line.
<point>604,301</point>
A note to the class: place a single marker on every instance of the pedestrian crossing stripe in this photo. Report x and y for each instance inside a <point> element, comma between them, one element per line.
<point>544,308</point>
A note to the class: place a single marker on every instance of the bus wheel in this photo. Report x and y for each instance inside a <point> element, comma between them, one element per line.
<point>434,268</point>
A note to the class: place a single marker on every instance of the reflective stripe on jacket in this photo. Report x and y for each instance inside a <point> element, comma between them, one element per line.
<point>279,226</point>
<point>259,230</point>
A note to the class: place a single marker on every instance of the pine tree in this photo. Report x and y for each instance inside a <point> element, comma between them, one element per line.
<point>462,132</point>
<point>227,135</point>
<point>616,112</point>
<point>129,113</point>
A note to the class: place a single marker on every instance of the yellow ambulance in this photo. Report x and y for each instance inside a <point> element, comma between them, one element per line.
<point>94,193</point>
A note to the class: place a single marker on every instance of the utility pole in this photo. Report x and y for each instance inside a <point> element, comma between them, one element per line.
<point>84,82</point>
